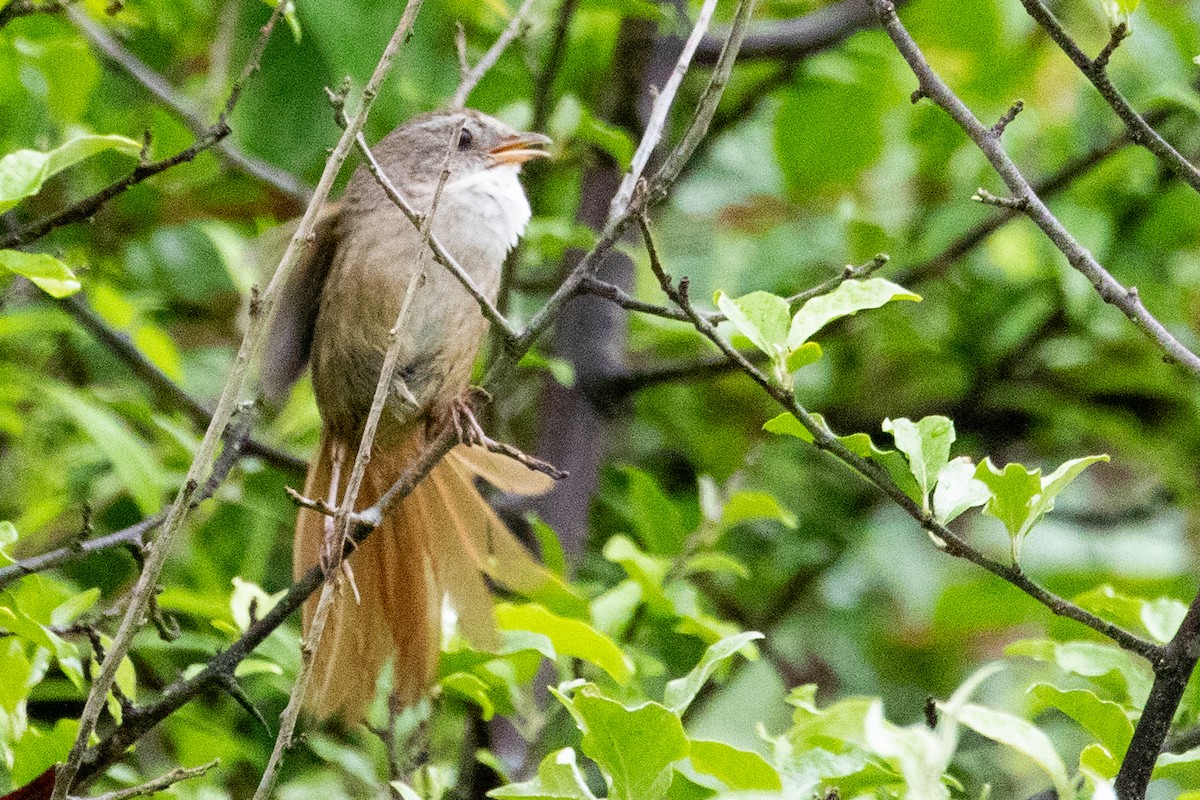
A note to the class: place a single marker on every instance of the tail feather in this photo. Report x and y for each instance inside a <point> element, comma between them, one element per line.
<point>437,542</point>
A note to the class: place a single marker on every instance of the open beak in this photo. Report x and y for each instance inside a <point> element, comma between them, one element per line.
<point>519,149</point>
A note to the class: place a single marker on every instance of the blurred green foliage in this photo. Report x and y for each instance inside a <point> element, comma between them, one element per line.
<point>704,527</point>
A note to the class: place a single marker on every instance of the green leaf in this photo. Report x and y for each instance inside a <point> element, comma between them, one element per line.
<point>8,536</point>
<point>1107,665</point>
<point>1097,761</point>
<point>860,444</point>
<point>659,523</point>
<point>46,272</point>
<point>761,317</point>
<point>1021,497</point>
<point>1160,617</point>
<point>558,778</point>
<point>256,666</point>
<point>129,456</point>
<point>1104,719</point>
<point>1013,490</point>
<point>680,692</point>
<point>1022,736</point>
<point>849,298</point>
<point>716,563</point>
<point>1119,11</point>
<point>635,747</point>
<point>957,490</point>
<point>649,571</point>
<point>744,506</point>
<point>809,353</point>
<point>70,610</point>
<point>921,754</point>
<point>740,770</point>
<point>22,173</point>
<point>926,444</point>
<point>247,594</point>
<point>570,637</point>
<point>786,424</point>
<point>471,688</point>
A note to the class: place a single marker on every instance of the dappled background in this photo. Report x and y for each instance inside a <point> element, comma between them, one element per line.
<point>817,160</point>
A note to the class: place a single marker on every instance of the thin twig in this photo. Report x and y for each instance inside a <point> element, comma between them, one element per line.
<point>158,549</point>
<point>353,127</point>
<point>1096,71</point>
<point>280,179</point>
<point>472,75</point>
<point>825,440</point>
<point>342,515</point>
<point>795,39</point>
<point>595,286</point>
<point>660,110</point>
<point>1108,287</point>
<point>161,783</point>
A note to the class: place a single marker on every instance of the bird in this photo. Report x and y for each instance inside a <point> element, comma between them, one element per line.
<point>336,310</point>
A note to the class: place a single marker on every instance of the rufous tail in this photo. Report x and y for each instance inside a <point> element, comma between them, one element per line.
<point>434,545</point>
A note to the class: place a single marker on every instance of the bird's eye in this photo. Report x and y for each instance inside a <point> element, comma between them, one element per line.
<point>465,138</point>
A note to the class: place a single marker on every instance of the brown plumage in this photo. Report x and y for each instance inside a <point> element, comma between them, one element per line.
<point>337,310</point>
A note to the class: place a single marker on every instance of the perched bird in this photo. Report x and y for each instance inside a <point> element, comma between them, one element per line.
<point>336,310</point>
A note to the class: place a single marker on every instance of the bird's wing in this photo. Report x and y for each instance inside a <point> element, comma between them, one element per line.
<point>289,340</point>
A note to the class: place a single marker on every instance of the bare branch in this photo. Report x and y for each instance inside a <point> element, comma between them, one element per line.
<point>660,110</point>
<point>159,784</point>
<point>1096,71</point>
<point>1171,675</point>
<point>1109,289</point>
<point>824,439</point>
<point>340,528</point>
<point>280,179</point>
<point>795,39</point>
<point>158,550</point>
<point>472,75</point>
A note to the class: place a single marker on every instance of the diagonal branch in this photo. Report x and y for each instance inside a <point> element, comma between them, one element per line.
<point>159,784</point>
<point>1108,287</point>
<point>341,519</point>
<point>658,113</point>
<point>794,39</point>
<point>946,539</point>
<point>1096,71</point>
<point>157,550</point>
<point>472,75</point>
<point>268,173</point>
<point>1171,675</point>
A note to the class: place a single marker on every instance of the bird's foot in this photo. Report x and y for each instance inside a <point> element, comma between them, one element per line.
<point>461,416</point>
